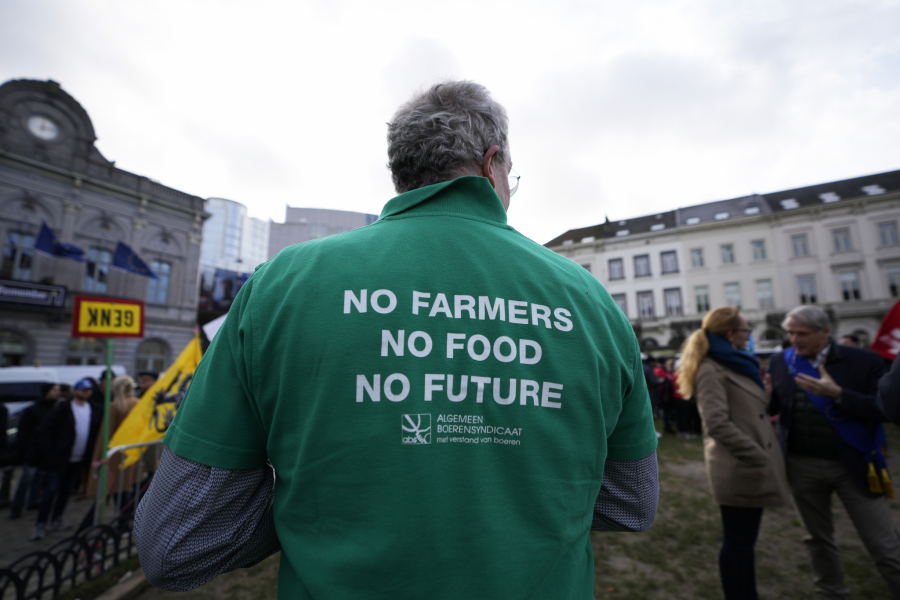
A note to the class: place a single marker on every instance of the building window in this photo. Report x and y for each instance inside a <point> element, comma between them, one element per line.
<point>727,254</point>
<point>642,265</point>
<point>849,284</point>
<point>673,302</point>
<point>645,305</point>
<point>18,256</point>
<point>807,287</point>
<point>888,233</point>
<point>158,290</point>
<point>759,249</point>
<point>586,268</point>
<point>13,349</point>
<point>621,302</point>
<point>669,262</point>
<point>893,275</point>
<point>733,294</point>
<point>764,293</point>
<point>841,240</point>
<point>616,269</point>
<point>696,257</point>
<point>701,293</point>
<point>96,271</point>
<point>85,351</point>
<point>150,356</point>
<point>801,248</point>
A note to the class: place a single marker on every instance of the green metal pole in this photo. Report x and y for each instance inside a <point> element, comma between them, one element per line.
<point>106,394</point>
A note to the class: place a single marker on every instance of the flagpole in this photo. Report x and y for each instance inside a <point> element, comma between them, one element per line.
<point>106,395</point>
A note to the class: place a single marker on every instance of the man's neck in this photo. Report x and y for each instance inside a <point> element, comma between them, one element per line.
<point>817,356</point>
<point>79,401</point>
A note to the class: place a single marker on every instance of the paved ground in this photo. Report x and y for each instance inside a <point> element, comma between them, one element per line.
<point>14,533</point>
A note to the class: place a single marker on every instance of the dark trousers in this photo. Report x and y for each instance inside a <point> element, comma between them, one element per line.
<point>740,526</point>
<point>29,488</point>
<point>670,416</point>
<point>683,415</point>
<point>57,487</point>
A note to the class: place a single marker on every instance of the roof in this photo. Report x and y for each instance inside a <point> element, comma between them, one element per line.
<point>735,208</point>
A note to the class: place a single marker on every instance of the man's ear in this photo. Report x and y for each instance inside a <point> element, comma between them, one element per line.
<point>487,166</point>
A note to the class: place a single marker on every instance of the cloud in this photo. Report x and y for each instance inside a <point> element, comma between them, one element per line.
<point>420,63</point>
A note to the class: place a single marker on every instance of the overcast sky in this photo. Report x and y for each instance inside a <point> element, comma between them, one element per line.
<point>616,108</point>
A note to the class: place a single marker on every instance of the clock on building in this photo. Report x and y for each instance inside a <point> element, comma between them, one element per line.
<point>42,127</point>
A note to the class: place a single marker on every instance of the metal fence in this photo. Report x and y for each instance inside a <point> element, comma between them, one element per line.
<point>70,562</point>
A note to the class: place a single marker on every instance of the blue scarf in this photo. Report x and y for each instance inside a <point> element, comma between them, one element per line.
<point>850,430</point>
<point>730,357</point>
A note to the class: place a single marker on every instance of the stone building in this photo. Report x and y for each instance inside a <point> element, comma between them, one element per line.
<point>835,245</point>
<point>303,224</point>
<point>51,172</point>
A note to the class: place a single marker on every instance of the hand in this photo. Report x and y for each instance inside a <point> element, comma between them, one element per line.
<point>767,380</point>
<point>821,387</point>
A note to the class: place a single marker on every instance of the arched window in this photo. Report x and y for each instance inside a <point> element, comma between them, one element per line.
<point>648,344</point>
<point>772,335</point>
<point>18,256</point>
<point>13,349</point>
<point>152,355</point>
<point>86,351</point>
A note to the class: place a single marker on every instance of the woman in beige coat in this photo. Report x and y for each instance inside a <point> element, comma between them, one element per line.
<point>743,459</point>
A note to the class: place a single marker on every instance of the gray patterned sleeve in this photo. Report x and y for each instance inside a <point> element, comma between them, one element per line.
<point>196,522</point>
<point>628,495</point>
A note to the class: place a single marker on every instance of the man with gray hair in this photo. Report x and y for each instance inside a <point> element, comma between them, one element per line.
<point>831,433</point>
<point>439,397</point>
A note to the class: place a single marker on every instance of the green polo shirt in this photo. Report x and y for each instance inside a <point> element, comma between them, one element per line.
<point>437,394</point>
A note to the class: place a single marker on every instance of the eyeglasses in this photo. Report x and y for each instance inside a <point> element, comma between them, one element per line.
<point>513,180</point>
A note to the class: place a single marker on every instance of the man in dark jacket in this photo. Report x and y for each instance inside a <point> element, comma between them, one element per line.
<point>29,486</point>
<point>63,447</point>
<point>820,458</point>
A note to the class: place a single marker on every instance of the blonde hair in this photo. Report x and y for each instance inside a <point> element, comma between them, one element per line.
<point>122,388</point>
<point>718,322</point>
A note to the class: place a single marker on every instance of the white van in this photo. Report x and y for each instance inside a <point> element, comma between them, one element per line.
<point>21,386</point>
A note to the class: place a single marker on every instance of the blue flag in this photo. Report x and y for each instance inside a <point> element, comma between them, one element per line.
<point>128,259</point>
<point>47,242</point>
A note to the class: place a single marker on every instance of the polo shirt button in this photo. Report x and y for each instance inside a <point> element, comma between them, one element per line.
<point>762,416</point>
<point>770,445</point>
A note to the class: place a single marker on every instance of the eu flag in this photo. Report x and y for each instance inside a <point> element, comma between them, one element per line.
<point>128,259</point>
<point>47,242</point>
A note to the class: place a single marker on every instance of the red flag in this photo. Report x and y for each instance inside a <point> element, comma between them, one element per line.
<point>887,340</point>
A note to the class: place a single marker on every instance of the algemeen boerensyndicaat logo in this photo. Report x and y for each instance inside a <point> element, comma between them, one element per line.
<point>416,429</point>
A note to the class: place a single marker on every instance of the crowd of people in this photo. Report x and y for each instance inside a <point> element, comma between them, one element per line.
<point>679,414</point>
<point>58,442</point>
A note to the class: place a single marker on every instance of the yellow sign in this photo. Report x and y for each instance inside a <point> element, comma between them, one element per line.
<point>105,317</point>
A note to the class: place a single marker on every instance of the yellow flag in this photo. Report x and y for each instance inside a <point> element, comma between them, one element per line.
<point>151,417</point>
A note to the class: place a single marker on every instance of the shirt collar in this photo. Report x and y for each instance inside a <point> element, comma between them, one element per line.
<point>821,356</point>
<point>467,196</point>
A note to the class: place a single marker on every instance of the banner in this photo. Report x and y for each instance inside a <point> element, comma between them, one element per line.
<point>149,420</point>
<point>887,340</point>
<point>219,287</point>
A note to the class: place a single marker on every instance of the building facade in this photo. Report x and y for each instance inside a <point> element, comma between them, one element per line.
<point>303,224</point>
<point>51,173</point>
<point>232,240</point>
<point>835,245</point>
